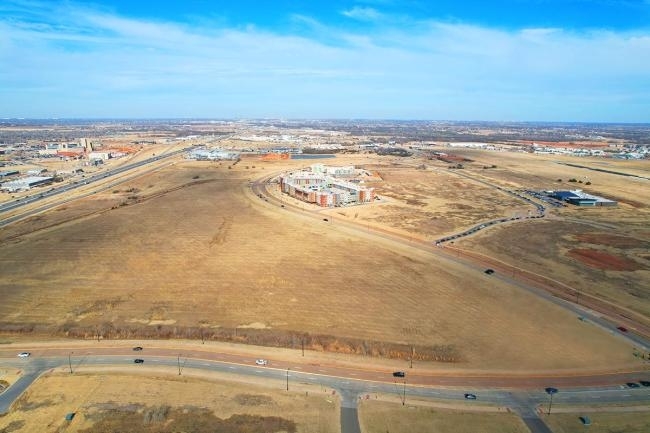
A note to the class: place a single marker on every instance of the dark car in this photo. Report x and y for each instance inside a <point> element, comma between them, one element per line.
<point>399,374</point>
<point>325,219</point>
<point>622,328</point>
<point>137,348</point>
<point>470,396</point>
<point>632,385</point>
<point>644,382</point>
<point>489,271</point>
<point>138,361</point>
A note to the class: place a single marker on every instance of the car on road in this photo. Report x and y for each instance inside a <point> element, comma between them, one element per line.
<point>489,271</point>
<point>644,382</point>
<point>622,328</point>
<point>325,219</point>
<point>399,374</point>
<point>632,385</point>
<point>137,348</point>
<point>261,362</point>
<point>24,354</point>
<point>138,361</point>
<point>469,396</point>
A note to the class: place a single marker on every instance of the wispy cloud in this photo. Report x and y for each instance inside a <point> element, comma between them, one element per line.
<point>79,61</point>
<point>363,13</point>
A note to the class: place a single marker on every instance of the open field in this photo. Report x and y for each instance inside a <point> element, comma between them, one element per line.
<point>602,421</point>
<point>115,400</point>
<point>393,417</point>
<point>187,251</point>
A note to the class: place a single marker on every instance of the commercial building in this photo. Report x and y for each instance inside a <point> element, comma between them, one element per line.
<point>579,198</point>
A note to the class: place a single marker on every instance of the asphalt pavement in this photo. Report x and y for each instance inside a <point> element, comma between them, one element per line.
<point>523,402</point>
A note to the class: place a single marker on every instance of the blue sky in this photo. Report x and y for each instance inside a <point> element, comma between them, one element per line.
<point>516,60</point>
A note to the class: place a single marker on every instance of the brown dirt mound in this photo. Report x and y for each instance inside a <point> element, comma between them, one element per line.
<point>602,260</point>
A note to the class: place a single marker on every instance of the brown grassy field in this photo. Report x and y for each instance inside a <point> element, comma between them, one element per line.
<point>602,251</point>
<point>602,421</point>
<point>382,416</point>
<point>154,402</point>
<point>188,248</point>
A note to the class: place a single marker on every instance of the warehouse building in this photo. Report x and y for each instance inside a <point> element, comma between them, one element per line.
<point>26,183</point>
<point>579,198</point>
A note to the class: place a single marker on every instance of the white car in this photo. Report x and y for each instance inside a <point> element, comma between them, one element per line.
<point>261,361</point>
<point>24,354</point>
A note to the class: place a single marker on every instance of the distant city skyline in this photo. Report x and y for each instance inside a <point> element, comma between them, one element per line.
<point>516,60</point>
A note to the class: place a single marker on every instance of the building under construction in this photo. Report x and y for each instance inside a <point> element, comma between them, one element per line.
<point>325,190</point>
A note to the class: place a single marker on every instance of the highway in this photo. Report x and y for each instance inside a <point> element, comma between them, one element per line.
<point>42,193</point>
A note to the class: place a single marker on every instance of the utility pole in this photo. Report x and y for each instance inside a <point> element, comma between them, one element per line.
<point>70,361</point>
<point>303,346</point>
<point>287,378</point>
<point>550,392</point>
<point>179,364</point>
<point>404,394</point>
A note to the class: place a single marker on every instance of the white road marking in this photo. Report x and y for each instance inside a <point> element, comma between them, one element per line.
<point>231,367</point>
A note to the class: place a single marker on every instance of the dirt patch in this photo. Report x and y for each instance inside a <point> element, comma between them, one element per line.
<point>254,400</point>
<point>163,419</point>
<point>602,260</point>
<point>609,239</point>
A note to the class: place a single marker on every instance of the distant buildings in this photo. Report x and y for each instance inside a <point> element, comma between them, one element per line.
<point>212,155</point>
<point>326,186</point>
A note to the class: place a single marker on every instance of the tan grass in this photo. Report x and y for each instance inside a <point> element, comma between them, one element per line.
<point>44,405</point>
<point>210,255</point>
<point>393,417</point>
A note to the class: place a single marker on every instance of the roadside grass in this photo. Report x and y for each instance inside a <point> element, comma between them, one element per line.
<point>602,421</point>
<point>392,417</point>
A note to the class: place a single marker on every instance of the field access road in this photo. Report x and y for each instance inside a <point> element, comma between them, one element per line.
<point>42,193</point>
<point>350,384</point>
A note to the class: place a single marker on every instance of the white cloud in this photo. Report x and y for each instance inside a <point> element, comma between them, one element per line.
<point>95,63</point>
<point>363,13</point>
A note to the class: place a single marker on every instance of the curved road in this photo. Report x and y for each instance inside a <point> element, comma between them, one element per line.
<point>351,384</point>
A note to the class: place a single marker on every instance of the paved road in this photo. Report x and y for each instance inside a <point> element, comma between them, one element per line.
<point>522,402</point>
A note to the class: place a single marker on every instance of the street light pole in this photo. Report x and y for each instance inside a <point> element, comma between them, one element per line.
<point>179,364</point>
<point>70,361</point>
<point>287,379</point>
<point>404,394</point>
<point>550,392</point>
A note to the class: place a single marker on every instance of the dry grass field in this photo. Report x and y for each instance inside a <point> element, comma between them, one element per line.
<point>113,401</point>
<point>392,417</point>
<point>602,251</point>
<point>602,421</point>
<point>189,247</point>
